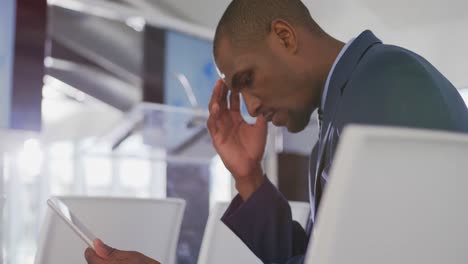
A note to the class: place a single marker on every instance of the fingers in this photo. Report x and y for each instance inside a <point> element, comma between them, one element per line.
<point>235,102</point>
<point>92,258</point>
<point>216,101</point>
<point>261,122</point>
<point>223,96</point>
<point>211,124</point>
<point>102,250</point>
<point>214,96</point>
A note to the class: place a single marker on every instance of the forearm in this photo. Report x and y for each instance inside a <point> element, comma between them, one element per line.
<point>264,223</point>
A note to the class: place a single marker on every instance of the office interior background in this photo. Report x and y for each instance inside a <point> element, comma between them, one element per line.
<point>109,98</point>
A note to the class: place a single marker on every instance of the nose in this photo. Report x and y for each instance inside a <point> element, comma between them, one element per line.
<point>252,102</point>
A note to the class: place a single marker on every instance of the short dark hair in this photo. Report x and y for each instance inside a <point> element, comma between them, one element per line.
<point>245,21</point>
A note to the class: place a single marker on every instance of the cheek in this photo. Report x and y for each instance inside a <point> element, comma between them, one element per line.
<point>263,89</point>
<point>273,89</point>
<point>280,118</point>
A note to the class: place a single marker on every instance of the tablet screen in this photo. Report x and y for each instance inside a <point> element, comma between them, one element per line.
<point>62,210</point>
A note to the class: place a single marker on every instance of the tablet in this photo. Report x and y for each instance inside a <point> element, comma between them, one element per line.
<point>71,220</point>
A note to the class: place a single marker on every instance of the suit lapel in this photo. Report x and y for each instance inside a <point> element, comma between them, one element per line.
<point>343,72</point>
<point>340,76</point>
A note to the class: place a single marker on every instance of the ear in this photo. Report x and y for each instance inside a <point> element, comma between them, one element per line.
<point>284,33</point>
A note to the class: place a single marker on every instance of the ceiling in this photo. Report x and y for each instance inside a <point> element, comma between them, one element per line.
<point>435,29</point>
<point>395,14</point>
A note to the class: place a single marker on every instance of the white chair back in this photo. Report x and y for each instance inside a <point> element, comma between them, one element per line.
<point>221,245</point>
<point>149,226</point>
<point>395,196</point>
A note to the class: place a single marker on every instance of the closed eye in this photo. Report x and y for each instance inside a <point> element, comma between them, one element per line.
<point>242,80</point>
<point>248,81</point>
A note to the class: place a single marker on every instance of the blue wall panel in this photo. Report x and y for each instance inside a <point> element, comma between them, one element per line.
<point>193,58</point>
<point>7,29</point>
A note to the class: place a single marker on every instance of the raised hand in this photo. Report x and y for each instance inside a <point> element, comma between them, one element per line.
<point>240,145</point>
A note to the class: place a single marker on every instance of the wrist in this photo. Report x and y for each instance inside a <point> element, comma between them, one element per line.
<point>246,186</point>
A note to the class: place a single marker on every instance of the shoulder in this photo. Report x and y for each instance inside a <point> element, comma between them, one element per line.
<point>394,86</point>
<point>390,69</point>
<point>383,59</point>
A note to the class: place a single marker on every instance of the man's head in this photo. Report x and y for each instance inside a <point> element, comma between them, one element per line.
<point>269,52</point>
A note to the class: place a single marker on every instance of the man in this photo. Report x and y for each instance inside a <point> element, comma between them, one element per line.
<point>285,66</point>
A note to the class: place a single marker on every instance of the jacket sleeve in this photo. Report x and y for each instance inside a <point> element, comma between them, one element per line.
<point>264,223</point>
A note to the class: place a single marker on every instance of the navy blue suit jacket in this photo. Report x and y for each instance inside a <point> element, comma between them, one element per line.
<point>373,84</point>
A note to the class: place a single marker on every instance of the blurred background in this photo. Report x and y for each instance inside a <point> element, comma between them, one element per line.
<point>109,98</point>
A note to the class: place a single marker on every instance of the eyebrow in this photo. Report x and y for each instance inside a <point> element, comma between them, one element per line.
<point>235,81</point>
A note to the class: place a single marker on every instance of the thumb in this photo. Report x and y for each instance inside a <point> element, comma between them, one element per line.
<point>102,250</point>
<point>261,122</point>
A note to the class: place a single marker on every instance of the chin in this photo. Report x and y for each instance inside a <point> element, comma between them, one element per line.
<point>296,128</point>
<point>298,123</point>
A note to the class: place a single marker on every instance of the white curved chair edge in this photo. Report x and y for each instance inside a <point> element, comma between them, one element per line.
<point>117,198</point>
<point>361,132</point>
<point>355,136</point>
<point>44,230</point>
<point>209,229</point>
<point>178,225</point>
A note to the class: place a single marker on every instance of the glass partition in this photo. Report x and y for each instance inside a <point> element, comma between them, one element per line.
<point>151,144</point>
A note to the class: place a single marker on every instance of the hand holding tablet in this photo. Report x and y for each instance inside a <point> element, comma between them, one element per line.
<point>98,252</point>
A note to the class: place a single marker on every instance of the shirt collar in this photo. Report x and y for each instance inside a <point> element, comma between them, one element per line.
<point>327,83</point>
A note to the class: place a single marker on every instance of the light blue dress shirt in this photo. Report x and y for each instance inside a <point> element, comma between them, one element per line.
<point>327,83</point>
<point>322,107</point>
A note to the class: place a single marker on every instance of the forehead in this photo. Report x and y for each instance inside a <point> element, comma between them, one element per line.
<point>230,60</point>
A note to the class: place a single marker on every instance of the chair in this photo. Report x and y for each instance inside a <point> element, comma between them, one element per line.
<point>300,212</point>
<point>221,245</point>
<point>395,196</point>
<point>149,226</point>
